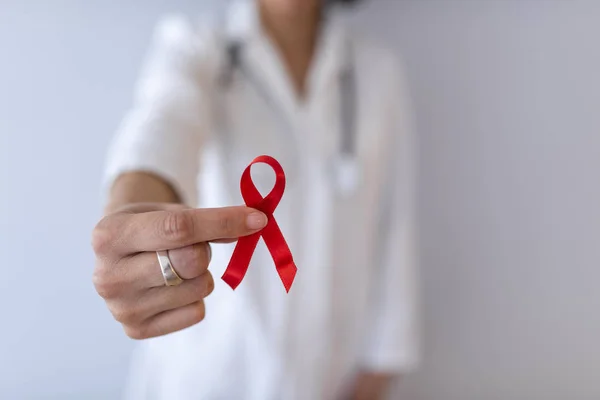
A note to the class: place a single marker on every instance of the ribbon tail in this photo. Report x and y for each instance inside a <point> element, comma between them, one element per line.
<point>282,256</point>
<point>240,260</point>
<point>287,273</point>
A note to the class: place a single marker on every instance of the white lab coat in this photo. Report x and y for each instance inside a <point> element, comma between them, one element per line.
<point>352,305</point>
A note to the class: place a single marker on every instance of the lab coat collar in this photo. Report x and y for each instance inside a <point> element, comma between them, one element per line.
<point>333,54</point>
<point>242,22</point>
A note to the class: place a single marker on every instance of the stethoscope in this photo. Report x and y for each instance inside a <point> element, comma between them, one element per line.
<point>344,166</point>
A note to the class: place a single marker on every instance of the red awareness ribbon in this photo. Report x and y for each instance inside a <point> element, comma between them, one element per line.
<point>271,234</point>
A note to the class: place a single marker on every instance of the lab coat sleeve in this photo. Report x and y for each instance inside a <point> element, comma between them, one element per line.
<point>163,132</point>
<point>392,337</point>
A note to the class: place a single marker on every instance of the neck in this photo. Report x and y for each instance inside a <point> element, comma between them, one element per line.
<point>295,36</point>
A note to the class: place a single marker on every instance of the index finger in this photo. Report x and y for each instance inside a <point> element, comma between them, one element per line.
<point>164,230</point>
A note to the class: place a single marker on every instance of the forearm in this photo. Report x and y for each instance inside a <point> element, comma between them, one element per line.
<point>139,187</point>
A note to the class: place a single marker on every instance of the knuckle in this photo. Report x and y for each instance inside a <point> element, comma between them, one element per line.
<point>125,314</point>
<point>103,282</point>
<point>103,235</point>
<point>177,226</point>
<point>227,224</point>
<point>136,332</point>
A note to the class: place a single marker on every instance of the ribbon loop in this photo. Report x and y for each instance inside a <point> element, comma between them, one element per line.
<point>271,234</point>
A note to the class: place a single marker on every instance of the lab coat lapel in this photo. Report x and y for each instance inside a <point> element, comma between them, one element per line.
<point>261,58</point>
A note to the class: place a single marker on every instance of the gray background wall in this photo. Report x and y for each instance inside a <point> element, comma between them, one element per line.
<point>506,94</point>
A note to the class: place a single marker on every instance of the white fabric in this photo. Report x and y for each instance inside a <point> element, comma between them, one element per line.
<point>352,305</point>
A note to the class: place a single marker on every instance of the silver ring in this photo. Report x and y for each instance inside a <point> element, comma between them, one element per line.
<point>209,251</point>
<point>168,272</point>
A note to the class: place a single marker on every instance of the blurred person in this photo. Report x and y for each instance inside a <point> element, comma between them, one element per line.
<point>286,78</point>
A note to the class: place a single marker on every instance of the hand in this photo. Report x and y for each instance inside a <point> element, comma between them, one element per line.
<point>127,274</point>
<point>371,386</point>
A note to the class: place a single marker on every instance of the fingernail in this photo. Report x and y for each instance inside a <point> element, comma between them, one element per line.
<point>256,220</point>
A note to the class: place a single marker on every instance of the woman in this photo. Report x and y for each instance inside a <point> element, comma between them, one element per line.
<point>288,79</point>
